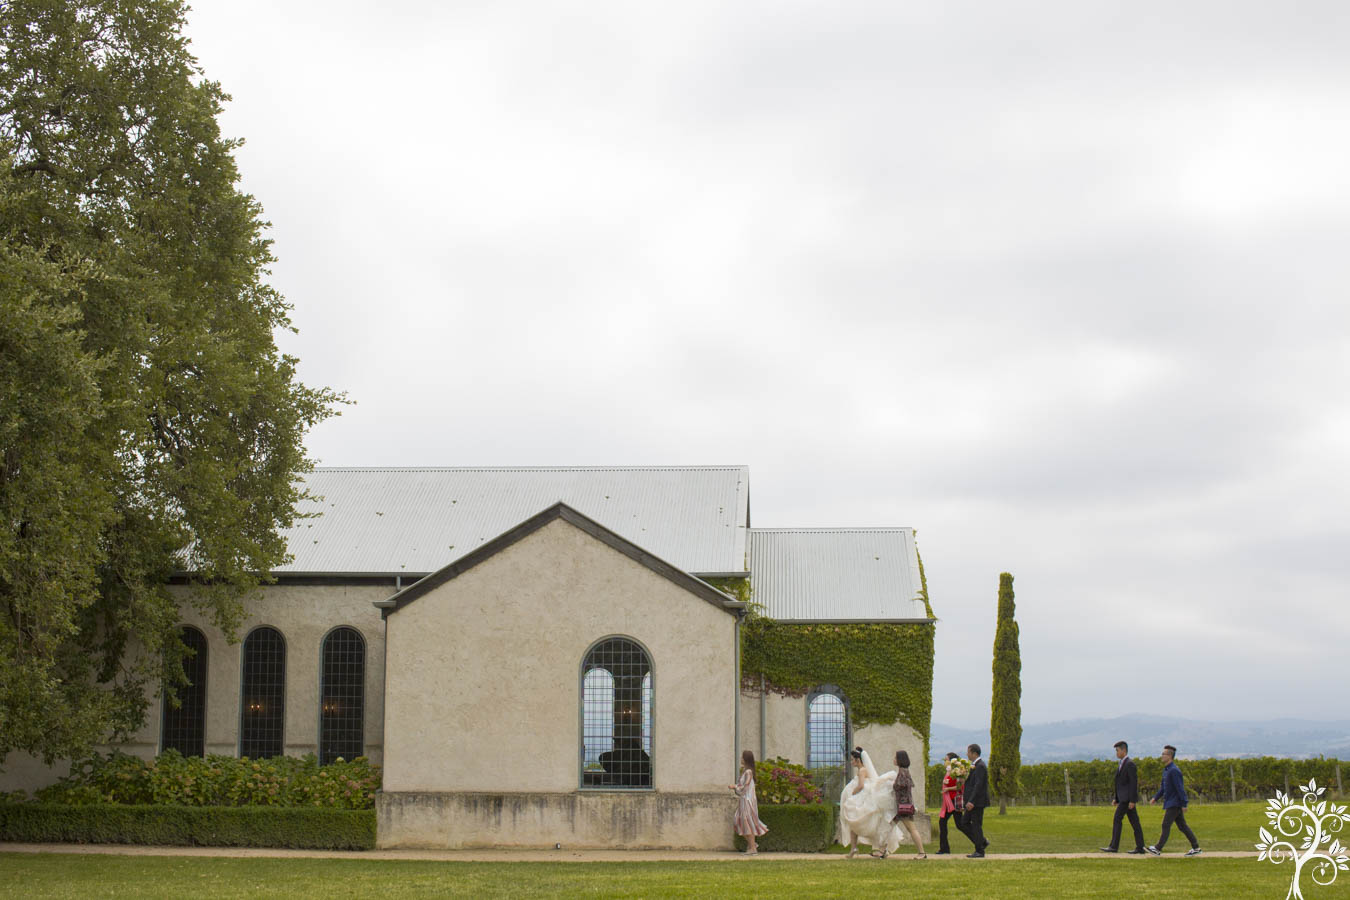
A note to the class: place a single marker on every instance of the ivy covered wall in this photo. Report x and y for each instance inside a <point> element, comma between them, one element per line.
<point>884,670</point>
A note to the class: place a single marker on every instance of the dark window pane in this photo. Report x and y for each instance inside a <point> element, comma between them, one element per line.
<point>184,728</point>
<point>342,695</point>
<point>263,695</point>
<point>616,716</point>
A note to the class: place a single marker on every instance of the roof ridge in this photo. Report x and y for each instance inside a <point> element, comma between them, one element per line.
<point>845,529</point>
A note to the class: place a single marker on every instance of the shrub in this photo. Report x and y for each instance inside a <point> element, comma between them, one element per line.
<point>173,779</point>
<point>795,827</point>
<point>1093,781</point>
<point>779,781</point>
<point>300,828</point>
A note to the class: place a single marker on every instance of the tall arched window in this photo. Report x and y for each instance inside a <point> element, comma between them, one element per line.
<point>342,696</point>
<point>262,711</point>
<point>184,728</point>
<point>616,715</point>
<point>826,730</point>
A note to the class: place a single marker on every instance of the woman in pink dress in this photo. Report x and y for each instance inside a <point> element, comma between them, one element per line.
<point>747,821</point>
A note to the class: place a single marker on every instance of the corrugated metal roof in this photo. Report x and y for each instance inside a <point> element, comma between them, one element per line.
<point>836,574</point>
<point>416,520</point>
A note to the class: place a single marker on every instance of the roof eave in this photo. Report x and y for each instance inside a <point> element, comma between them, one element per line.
<point>910,621</point>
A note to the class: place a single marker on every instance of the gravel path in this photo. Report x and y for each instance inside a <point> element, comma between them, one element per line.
<point>546,855</point>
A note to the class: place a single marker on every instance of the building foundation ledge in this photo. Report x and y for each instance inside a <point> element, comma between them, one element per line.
<point>613,820</point>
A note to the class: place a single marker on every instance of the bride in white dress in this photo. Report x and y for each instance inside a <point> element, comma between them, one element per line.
<point>866,808</point>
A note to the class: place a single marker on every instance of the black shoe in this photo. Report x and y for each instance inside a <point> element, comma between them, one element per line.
<point>978,854</point>
<point>943,853</point>
<point>1138,851</point>
<point>1108,849</point>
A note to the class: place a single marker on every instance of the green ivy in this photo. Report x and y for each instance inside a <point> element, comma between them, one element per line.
<point>736,587</point>
<point>885,671</point>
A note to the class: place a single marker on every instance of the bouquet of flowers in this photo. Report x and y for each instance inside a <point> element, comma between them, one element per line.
<point>959,768</point>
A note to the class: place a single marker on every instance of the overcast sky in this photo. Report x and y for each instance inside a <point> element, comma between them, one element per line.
<point>1060,284</point>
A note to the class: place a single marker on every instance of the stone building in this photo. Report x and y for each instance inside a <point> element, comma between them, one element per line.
<point>536,656</point>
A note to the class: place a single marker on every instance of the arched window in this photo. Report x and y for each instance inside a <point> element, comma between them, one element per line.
<point>342,696</point>
<point>616,715</point>
<point>184,728</point>
<point>262,712</point>
<point>826,730</point>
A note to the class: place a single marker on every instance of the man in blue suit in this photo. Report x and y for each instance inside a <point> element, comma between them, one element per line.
<point>1172,792</point>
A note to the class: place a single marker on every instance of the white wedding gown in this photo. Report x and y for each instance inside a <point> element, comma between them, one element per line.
<point>868,813</point>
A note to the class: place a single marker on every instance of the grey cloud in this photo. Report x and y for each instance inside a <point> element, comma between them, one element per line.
<point>1057,283</point>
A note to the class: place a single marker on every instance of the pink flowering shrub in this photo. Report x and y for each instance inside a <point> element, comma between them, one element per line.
<point>779,781</point>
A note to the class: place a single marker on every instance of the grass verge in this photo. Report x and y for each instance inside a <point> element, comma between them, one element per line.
<point>61,875</point>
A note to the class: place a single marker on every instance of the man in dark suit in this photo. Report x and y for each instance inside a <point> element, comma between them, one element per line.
<point>975,799</point>
<point>1125,797</point>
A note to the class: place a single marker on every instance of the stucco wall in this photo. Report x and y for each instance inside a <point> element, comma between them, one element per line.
<point>784,726</point>
<point>303,614</point>
<point>882,741</point>
<point>579,819</point>
<point>484,672</point>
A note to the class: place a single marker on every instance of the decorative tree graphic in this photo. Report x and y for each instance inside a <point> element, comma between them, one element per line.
<point>1313,824</point>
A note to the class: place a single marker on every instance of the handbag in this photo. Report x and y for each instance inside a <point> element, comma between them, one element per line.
<point>904,809</point>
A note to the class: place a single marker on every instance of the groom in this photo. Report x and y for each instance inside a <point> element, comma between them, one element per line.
<point>975,798</point>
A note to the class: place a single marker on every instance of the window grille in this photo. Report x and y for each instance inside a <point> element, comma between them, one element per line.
<point>262,711</point>
<point>184,728</point>
<point>826,732</point>
<point>616,715</point>
<point>342,694</point>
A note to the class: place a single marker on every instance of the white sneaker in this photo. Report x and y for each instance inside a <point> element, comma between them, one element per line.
<point>1154,850</point>
<point>1194,851</point>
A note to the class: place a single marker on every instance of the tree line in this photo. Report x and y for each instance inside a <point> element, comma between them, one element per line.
<point>1212,780</point>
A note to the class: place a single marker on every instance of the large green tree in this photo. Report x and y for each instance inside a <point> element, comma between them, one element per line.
<point>148,423</point>
<point>1005,726</point>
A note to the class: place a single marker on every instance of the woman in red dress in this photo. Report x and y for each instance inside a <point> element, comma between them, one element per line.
<point>951,804</point>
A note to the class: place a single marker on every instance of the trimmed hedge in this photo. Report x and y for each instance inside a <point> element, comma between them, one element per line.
<point>201,826</point>
<point>176,780</point>
<point>1093,781</point>
<point>795,827</point>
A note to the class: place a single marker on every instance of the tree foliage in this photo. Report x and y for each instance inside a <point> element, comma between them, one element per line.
<point>148,423</point>
<point>1005,727</point>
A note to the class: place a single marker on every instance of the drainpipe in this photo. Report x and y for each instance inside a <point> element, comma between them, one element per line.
<point>736,699</point>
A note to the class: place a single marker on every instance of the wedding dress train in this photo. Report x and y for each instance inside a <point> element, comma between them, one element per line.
<point>868,813</point>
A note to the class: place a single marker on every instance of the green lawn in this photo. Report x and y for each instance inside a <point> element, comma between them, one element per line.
<point>1078,829</point>
<point>1023,830</point>
<point>59,875</point>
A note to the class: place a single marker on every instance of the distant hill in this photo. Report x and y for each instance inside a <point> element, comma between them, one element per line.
<point>1094,738</point>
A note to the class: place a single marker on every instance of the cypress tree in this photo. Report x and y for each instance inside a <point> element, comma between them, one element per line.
<point>1005,727</point>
